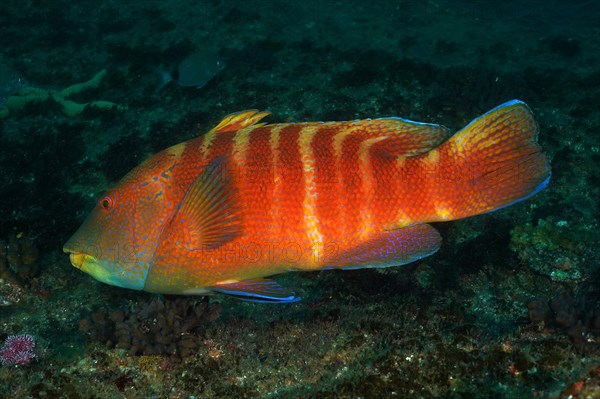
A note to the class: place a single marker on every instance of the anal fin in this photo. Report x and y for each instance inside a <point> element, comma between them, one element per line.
<point>389,248</point>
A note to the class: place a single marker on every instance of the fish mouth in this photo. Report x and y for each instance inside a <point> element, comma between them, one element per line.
<point>106,272</point>
<point>90,265</point>
<point>81,260</point>
<point>77,259</point>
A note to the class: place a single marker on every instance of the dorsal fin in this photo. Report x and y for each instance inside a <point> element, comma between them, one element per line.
<point>209,215</point>
<point>387,137</point>
<point>240,120</point>
<point>407,138</point>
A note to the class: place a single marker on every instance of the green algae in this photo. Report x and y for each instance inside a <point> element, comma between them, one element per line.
<point>551,249</point>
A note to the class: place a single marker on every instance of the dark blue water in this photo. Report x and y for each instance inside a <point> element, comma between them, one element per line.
<point>507,308</point>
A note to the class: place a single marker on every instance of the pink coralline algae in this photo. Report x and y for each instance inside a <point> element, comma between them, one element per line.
<point>17,350</point>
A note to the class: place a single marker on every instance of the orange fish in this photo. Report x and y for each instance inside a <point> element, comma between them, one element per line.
<point>248,200</point>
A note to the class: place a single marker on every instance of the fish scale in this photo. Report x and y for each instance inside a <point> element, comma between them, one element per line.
<point>247,200</point>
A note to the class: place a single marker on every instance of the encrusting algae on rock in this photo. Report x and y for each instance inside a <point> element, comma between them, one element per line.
<point>29,95</point>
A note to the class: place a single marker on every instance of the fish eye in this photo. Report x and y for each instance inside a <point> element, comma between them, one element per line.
<point>106,202</point>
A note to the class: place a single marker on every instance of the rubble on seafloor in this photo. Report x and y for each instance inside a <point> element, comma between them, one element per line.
<point>170,326</point>
<point>581,323</point>
<point>18,265</point>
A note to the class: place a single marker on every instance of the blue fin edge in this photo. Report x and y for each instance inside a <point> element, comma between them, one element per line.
<point>535,191</point>
<point>260,291</point>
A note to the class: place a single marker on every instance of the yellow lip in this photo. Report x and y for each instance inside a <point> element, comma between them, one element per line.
<point>77,259</point>
<point>82,261</point>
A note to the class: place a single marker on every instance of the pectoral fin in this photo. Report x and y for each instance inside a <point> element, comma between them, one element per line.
<point>209,215</point>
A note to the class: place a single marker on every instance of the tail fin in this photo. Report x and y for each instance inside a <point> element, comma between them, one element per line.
<point>497,161</point>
